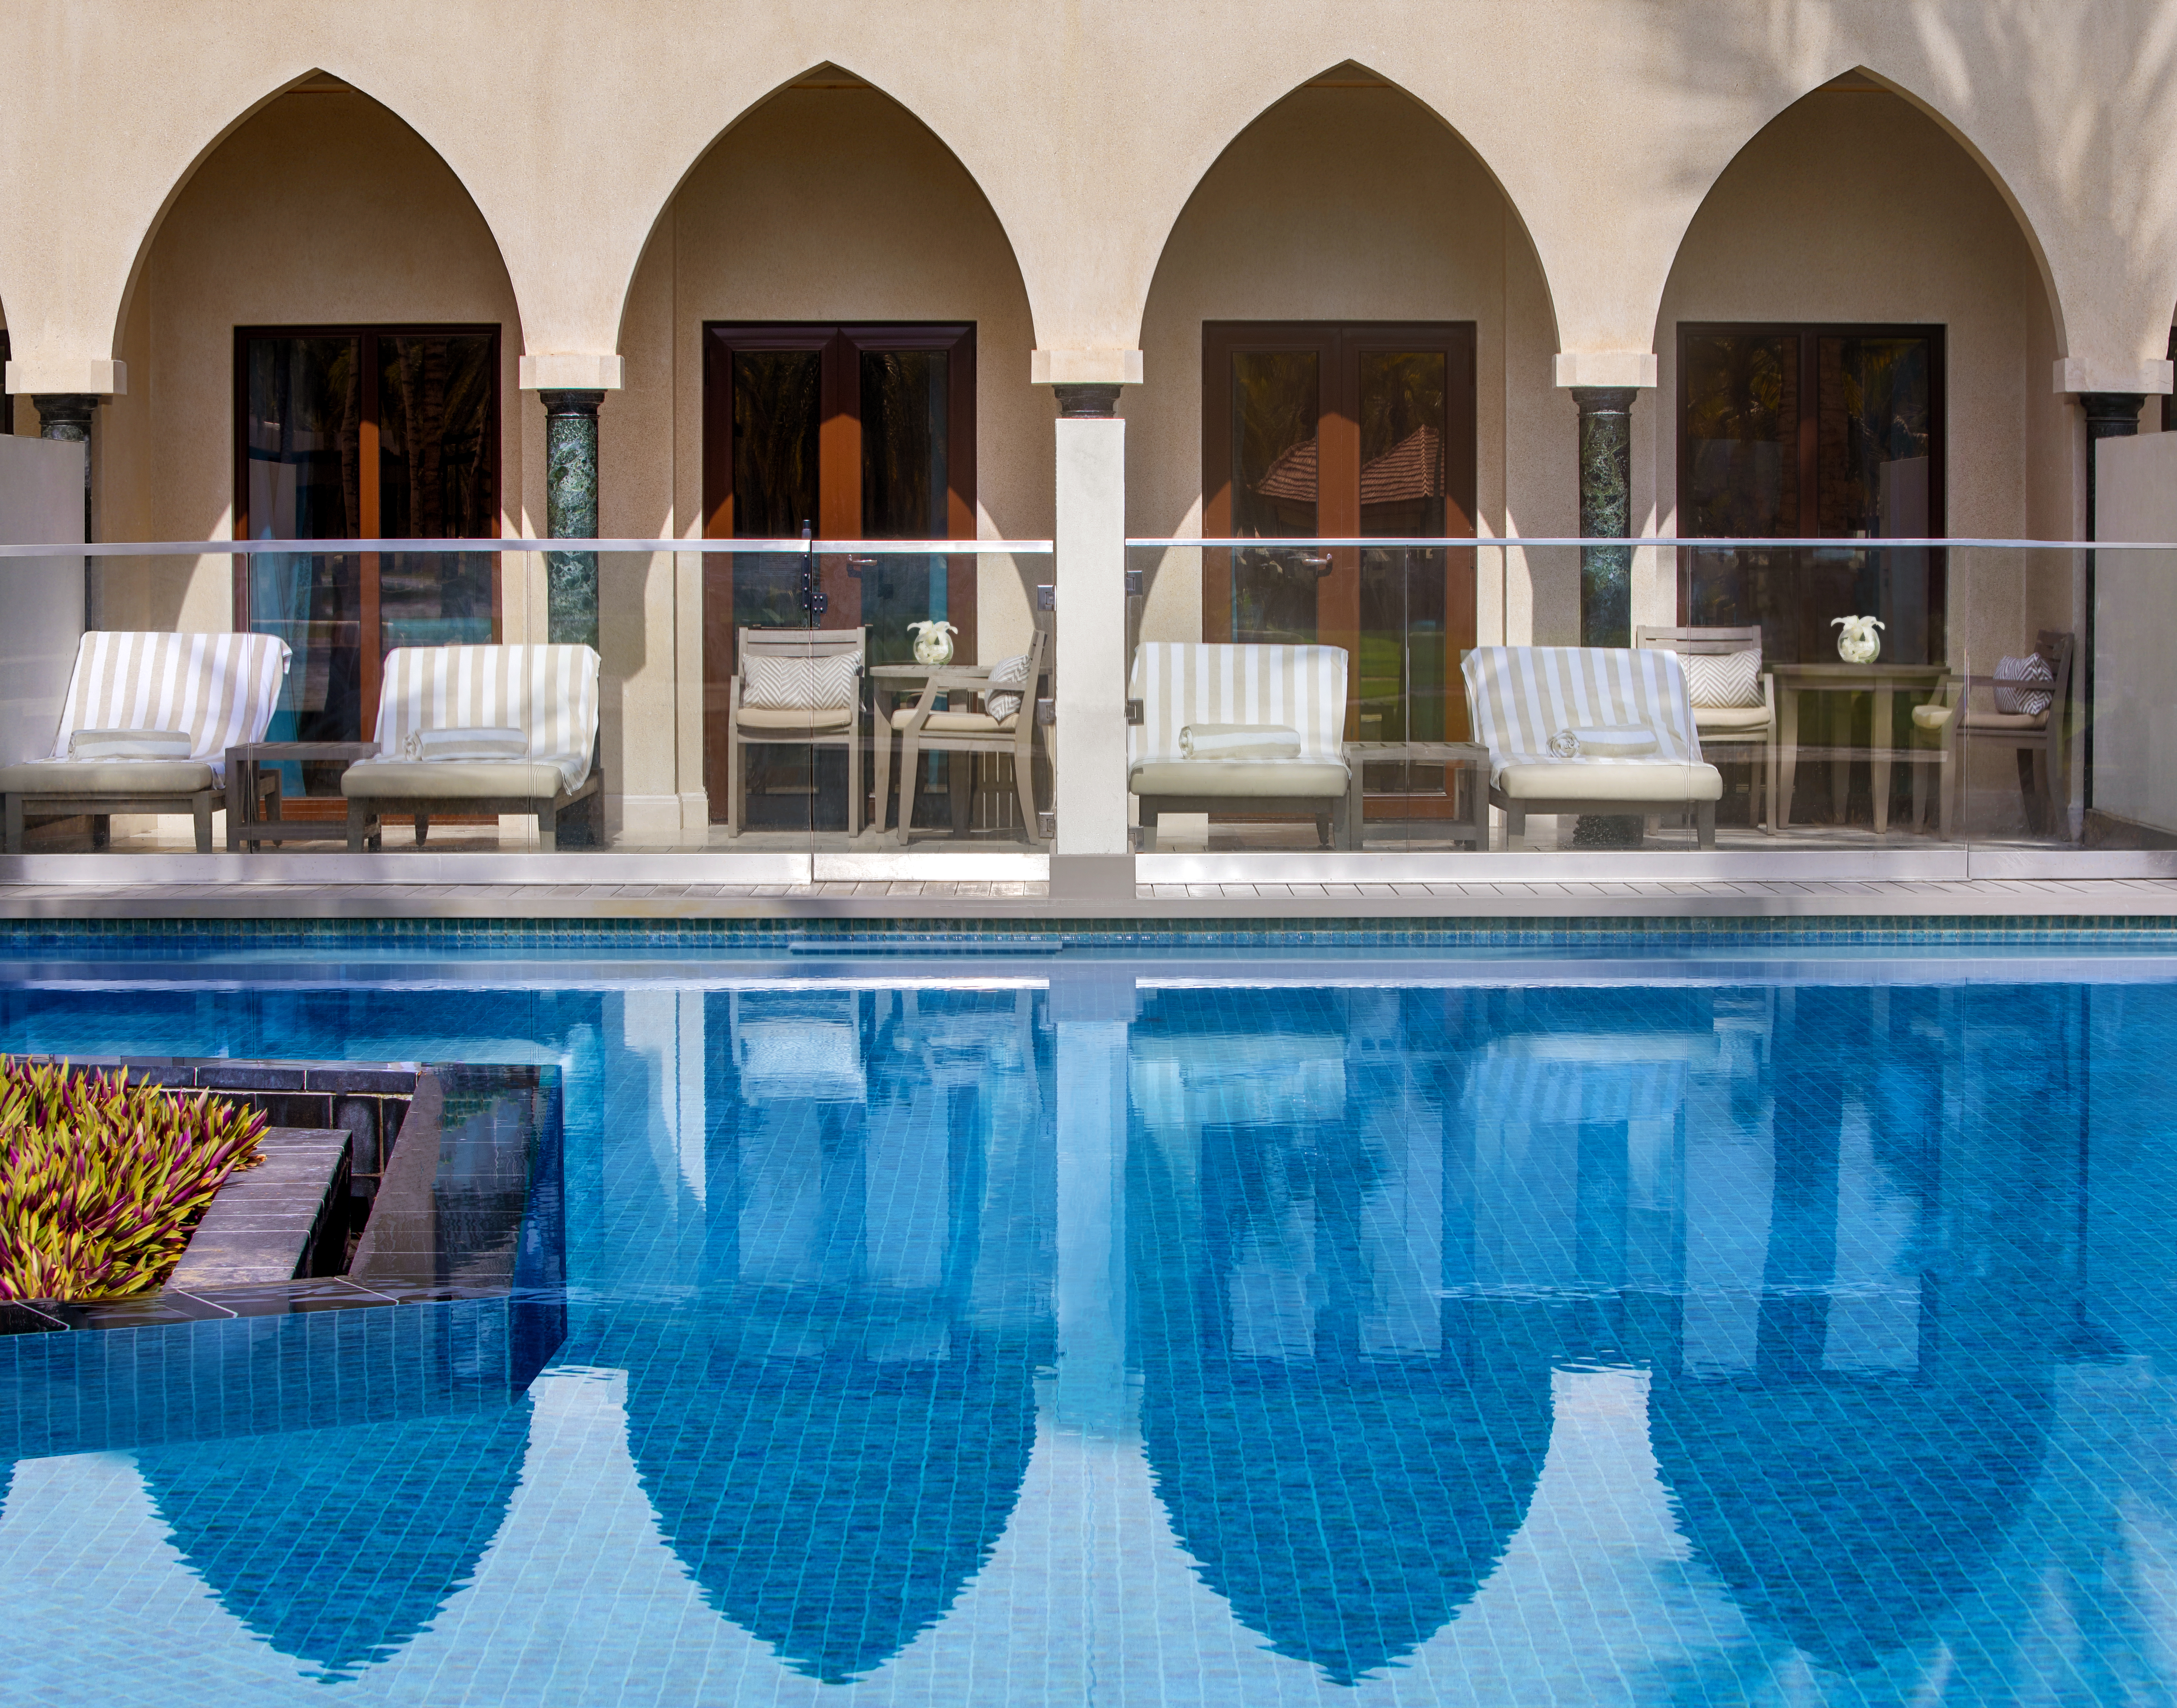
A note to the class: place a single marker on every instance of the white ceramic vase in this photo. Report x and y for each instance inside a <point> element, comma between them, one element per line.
<point>1856,642</point>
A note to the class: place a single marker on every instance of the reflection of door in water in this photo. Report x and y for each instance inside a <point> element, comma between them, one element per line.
<point>858,433</point>
<point>1357,432</point>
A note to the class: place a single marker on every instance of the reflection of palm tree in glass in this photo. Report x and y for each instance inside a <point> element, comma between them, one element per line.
<point>840,1442</point>
<point>1848,1510</point>
<point>339,1545</point>
<point>1346,1503</point>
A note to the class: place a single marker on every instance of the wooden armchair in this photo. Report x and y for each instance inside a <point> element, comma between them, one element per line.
<point>795,688</point>
<point>2036,737</point>
<point>923,728</point>
<point>1740,732</point>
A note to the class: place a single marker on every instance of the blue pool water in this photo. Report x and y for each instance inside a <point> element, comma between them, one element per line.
<point>1179,1330</point>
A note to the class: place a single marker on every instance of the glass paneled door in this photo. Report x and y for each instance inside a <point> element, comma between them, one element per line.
<point>359,434</point>
<point>1813,432</point>
<point>831,432</point>
<point>1364,431</point>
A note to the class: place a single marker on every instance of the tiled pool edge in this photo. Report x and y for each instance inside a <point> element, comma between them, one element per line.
<point>193,936</point>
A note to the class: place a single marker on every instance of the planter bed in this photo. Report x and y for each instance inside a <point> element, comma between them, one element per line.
<point>460,1222</point>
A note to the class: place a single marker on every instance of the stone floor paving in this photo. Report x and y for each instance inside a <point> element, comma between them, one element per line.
<point>923,898</point>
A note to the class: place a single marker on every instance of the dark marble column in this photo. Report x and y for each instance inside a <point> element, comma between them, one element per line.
<point>1606,572</point>
<point>1605,512</point>
<point>570,513</point>
<point>65,416</point>
<point>2109,415</point>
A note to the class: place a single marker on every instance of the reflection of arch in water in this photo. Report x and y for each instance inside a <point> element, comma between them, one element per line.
<point>1846,1514</point>
<point>862,1375</point>
<point>1345,1482</point>
<point>1850,1509</point>
<point>833,1474</point>
<point>338,1546</point>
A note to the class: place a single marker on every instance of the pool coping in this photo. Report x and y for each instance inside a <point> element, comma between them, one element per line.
<point>160,937</point>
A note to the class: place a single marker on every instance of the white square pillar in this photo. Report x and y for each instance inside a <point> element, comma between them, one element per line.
<point>1089,749</point>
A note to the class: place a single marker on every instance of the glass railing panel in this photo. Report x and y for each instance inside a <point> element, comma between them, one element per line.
<point>654,768</point>
<point>1843,695</point>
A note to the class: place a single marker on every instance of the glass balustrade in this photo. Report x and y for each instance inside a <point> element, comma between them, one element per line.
<point>1890,707</point>
<point>752,696</point>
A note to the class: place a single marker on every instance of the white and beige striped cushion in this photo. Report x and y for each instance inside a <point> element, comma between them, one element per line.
<point>550,693</point>
<point>1522,695</point>
<point>1180,683</point>
<point>221,689</point>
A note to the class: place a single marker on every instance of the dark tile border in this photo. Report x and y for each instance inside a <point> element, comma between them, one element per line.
<point>193,938</point>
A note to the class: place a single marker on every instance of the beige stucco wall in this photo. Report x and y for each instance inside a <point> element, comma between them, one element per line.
<point>828,203</point>
<point>1607,120</point>
<point>325,209</point>
<point>1854,206</point>
<point>1347,202</point>
<point>1575,176</point>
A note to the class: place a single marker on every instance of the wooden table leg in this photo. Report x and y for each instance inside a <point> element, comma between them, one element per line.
<point>237,792</point>
<point>1781,808</point>
<point>1881,733</point>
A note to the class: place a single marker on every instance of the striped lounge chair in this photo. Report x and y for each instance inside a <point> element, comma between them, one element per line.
<point>1180,685</point>
<point>547,693</point>
<point>1518,698</point>
<point>218,690</point>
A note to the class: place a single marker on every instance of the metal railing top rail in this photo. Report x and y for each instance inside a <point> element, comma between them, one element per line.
<point>1439,542</point>
<point>796,548</point>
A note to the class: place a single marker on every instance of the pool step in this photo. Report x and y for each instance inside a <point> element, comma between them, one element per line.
<point>285,1219</point>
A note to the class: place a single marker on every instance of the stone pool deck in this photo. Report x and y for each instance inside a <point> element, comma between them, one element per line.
<point>92,895</point>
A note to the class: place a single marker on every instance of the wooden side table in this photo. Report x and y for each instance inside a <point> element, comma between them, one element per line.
<point>1885,682</point>
<point>245,793</point>
<point>1469,759</point>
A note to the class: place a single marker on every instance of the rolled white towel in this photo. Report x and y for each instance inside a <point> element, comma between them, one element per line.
<point>101,744</point>
<point>430,744</point>
<point>1239,741</point>
<point>1608,741</point>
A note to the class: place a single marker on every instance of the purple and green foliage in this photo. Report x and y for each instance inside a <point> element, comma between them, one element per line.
<point>101,1181</point>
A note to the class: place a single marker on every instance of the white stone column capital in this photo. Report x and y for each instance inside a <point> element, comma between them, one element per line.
<point>2091,374</point>
<point>572,370</point>
<point>1617,368</point>
<point>67,376</point>
<point>1111,367</point>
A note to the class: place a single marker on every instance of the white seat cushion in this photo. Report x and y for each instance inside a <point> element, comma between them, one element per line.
<point>1723,719</point>
<point>1266,779</point>
<point>779,720</point>
<point>113,776</point>
<point>1614,780</point>
<point>1997,722</point>
<point>451,779</point>
<point>958,722</point>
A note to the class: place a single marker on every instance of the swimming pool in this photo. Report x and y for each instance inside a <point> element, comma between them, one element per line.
<point>1196,1329</point>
